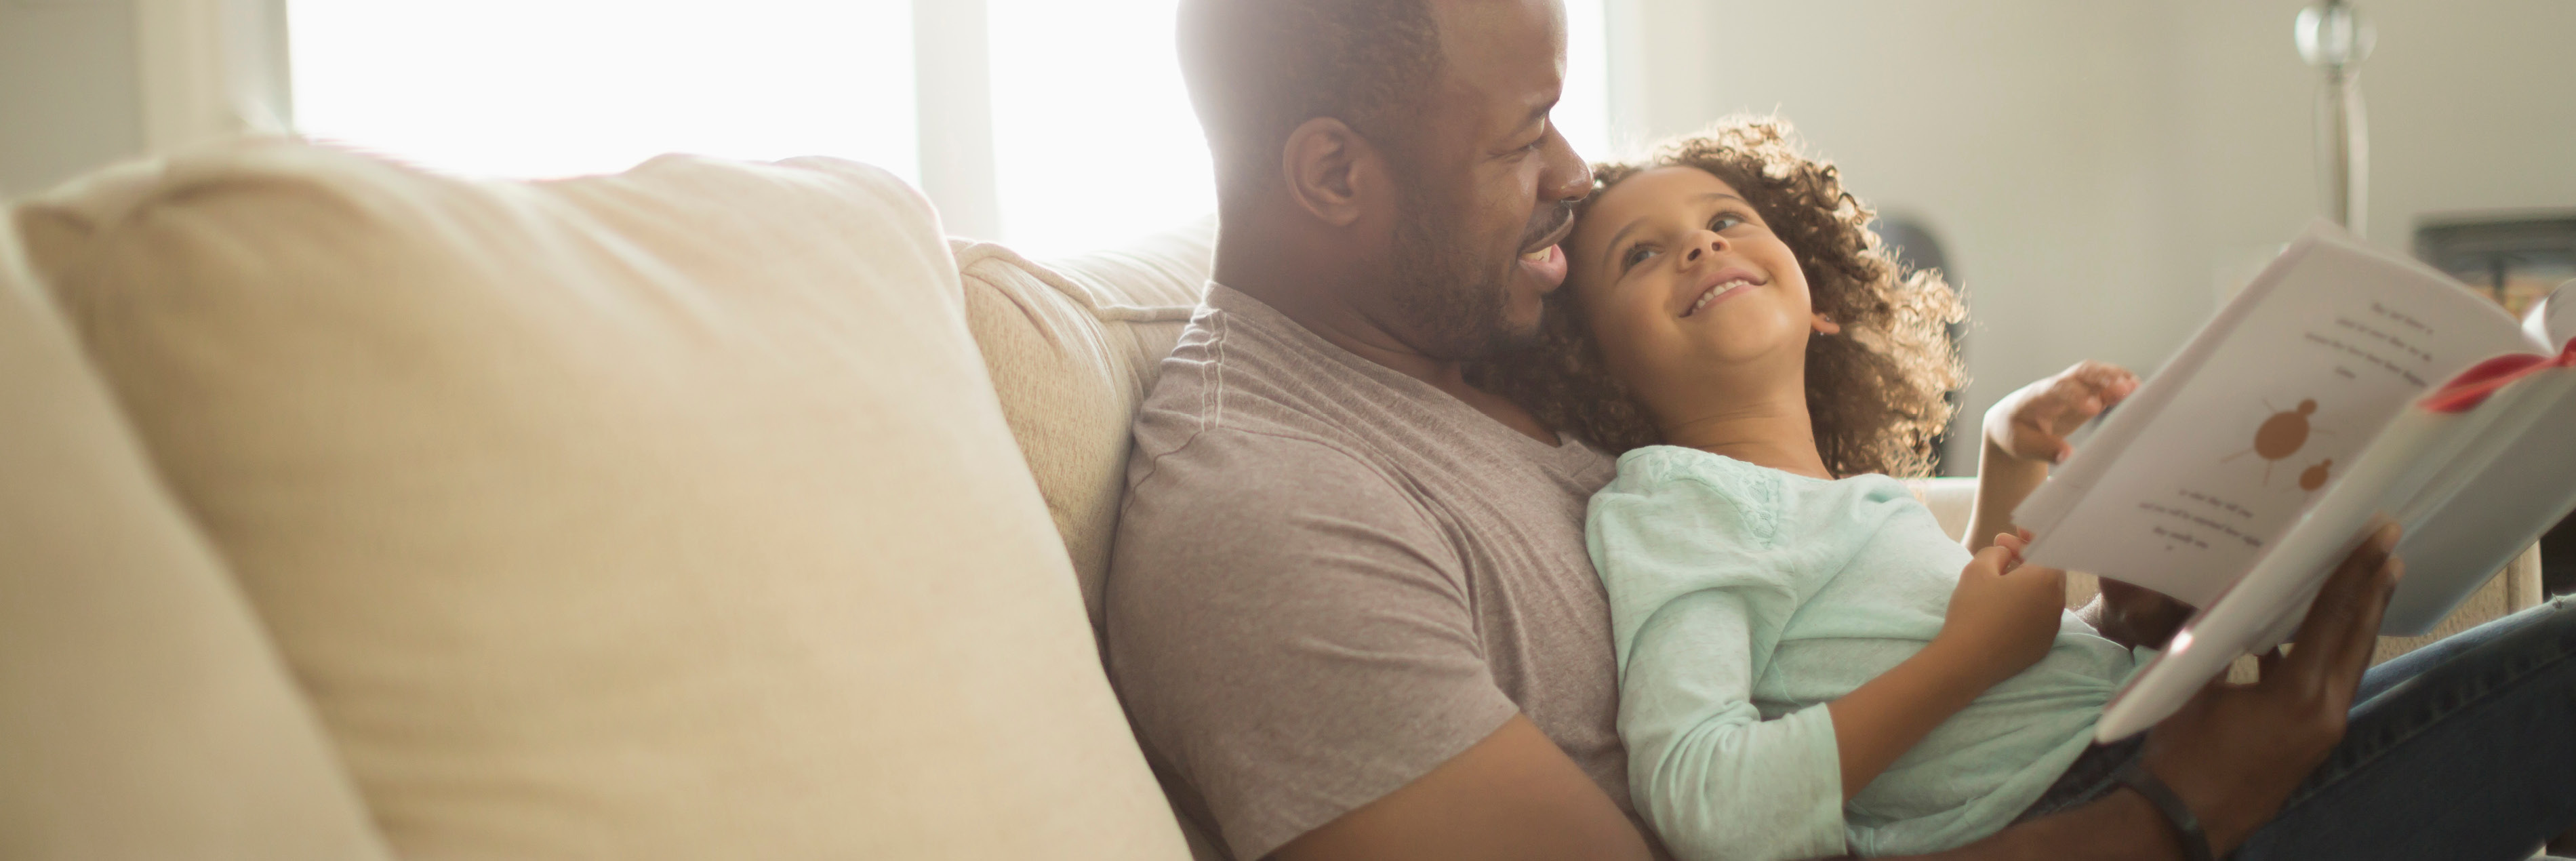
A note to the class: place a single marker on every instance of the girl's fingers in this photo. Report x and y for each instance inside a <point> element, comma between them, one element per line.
<point>2042,571</point>
<point>1990,561</point>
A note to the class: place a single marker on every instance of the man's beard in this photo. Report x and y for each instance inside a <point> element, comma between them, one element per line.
<point>1457,296</point>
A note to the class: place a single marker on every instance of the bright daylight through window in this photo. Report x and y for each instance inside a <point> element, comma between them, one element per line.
<point>1094,142</point>
<point>1093,135</point>
<point>557,87</point>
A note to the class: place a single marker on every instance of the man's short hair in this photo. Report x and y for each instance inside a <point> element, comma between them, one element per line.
<point>1256,69</point>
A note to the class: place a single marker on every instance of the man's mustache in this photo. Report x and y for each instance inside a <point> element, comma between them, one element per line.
<point>1545,224</point>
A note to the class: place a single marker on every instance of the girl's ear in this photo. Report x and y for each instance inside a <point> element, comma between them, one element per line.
<point>1825,326</point>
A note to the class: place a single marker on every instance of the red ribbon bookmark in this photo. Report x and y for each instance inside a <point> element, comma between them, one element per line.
<point>2472,387</point>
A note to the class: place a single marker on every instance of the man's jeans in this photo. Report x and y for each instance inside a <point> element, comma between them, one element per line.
<point>2464,749</point>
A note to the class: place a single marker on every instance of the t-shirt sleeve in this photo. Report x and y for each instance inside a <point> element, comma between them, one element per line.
<point>1291,634</point>
<point>1698,597</point>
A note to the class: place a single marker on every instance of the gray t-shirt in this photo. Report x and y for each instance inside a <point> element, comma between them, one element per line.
<point>1330,578</point>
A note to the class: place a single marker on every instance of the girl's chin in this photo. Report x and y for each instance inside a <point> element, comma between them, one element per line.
<point>1745,345</point>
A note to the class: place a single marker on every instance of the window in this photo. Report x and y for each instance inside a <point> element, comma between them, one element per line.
<point>1093,140</point>
<point>1583,113</point>
<point>557,87</point>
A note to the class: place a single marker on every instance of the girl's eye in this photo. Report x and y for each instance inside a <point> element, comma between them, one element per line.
<point>1723,221</point>
<point>1636,254</point>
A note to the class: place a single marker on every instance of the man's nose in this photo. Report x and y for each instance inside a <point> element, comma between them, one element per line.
<point>1573,178</point>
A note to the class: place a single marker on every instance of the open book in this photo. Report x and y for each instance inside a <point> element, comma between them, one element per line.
<point>2342,385</point>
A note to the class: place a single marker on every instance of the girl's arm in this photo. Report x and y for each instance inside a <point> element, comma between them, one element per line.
<point>2025,433</point>
<point>2003,481</point>
<point>2002,618</point>
<point>1700,589</point>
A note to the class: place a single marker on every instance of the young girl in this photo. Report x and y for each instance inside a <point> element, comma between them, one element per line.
<point>1808,665</point>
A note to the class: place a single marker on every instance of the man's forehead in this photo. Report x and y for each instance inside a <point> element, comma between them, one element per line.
<point>1509,52</point>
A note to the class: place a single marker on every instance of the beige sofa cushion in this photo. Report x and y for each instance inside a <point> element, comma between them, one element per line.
<point>652,516</point>
<point>1074,344</point>
<point>143,714</point>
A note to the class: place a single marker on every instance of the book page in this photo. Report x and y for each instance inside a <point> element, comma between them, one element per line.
<point>2502,487</point>
<point>2552,320</point>
<point>2471,489</point>
<point>2342,339</point>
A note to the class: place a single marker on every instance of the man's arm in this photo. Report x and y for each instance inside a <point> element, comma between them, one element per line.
<point>2234,752</point>
<point>1293,637</point>
<point>1514,795</point>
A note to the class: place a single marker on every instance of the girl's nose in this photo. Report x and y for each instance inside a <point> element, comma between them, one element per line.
<point>1707,246</point>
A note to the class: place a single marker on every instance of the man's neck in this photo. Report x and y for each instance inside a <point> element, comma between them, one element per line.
<point>1310,301</point>
<point>1772,432</point>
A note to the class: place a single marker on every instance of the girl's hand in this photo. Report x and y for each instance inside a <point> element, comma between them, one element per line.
<point>2004,615</point>
<point>2032,423</point>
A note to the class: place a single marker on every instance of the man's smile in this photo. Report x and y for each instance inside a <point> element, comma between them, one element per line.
<point>1547,265</point>
<point>1542,256</point>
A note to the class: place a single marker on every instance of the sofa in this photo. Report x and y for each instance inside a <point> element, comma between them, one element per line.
<point>707,510</point>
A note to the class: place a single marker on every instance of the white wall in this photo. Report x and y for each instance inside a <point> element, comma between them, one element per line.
<point>2472,106</point>
<point>69,95</point>
<point>87,82</point>
<point>2099,172</point>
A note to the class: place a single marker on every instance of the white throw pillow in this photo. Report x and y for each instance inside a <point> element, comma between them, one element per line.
<point>652,516</point>
<point>1074,345</point>
<point>143,714</point>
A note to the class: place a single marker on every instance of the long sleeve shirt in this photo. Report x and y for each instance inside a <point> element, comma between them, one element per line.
<point>1743,599</point>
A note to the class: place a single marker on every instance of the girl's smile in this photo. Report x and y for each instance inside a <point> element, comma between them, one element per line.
<point>1692,298</point>
<point>1726,283</point>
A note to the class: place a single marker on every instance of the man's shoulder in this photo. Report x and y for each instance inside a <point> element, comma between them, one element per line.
<point>1257,405</point>
<point>1233,470</point>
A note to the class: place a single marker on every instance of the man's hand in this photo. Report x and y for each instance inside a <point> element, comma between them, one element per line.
<point>2031,424</point>
<point>2134,616</point>
<point>2235,752</point>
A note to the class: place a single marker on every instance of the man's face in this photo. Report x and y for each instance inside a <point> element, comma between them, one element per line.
<point>1488,184</point>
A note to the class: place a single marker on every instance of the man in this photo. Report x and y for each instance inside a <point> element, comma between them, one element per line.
<point>1350,610</point>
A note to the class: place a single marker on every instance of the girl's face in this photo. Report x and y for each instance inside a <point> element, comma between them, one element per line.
<point>1685,286</point>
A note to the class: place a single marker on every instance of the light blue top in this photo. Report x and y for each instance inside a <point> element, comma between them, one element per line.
<point>1743,599</point>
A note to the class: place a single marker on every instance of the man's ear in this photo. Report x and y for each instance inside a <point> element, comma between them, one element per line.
<point>1826,326</point>
<point>1324,163</point>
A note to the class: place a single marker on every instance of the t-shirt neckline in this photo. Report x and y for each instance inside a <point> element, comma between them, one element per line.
<point>1441,406</point>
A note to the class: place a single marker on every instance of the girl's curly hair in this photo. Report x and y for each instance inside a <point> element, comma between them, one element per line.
<point>1876,393</point>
